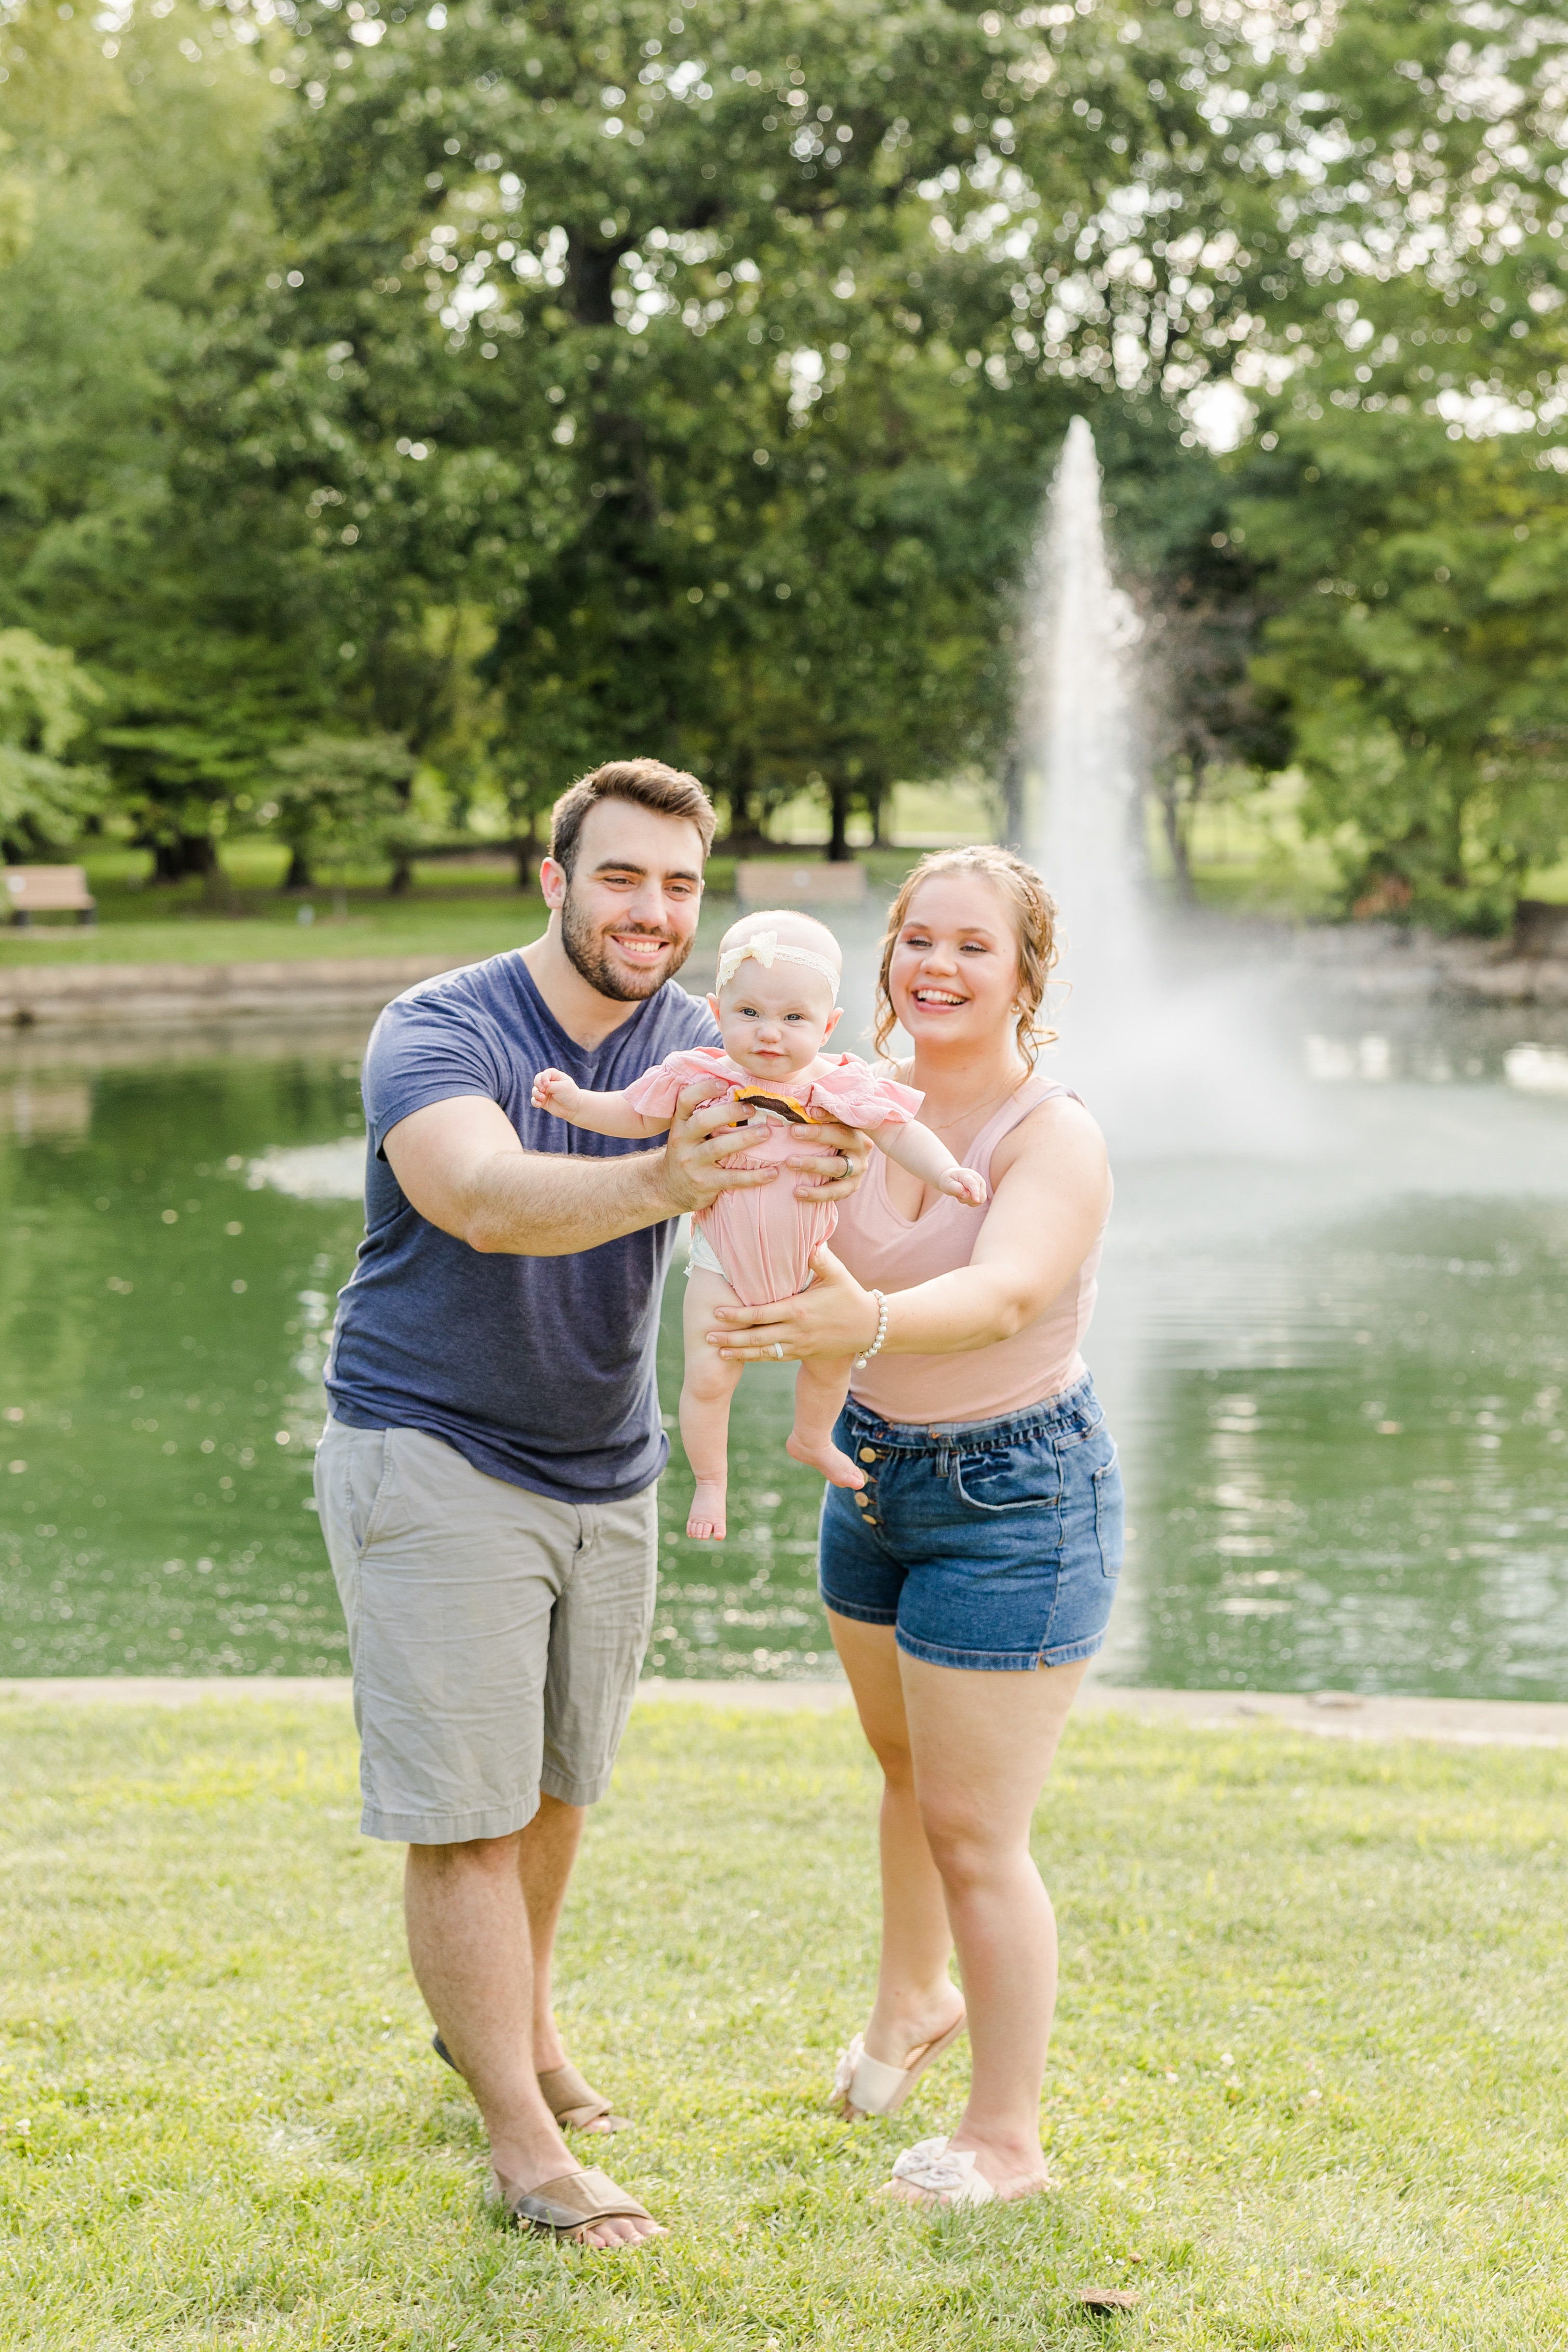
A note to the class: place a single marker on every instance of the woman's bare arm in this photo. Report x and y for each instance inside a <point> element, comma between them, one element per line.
<point>1048,1206</point>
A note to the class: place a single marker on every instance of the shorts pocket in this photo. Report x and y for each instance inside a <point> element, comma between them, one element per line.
<point>1008,1477</point>
<point>1110,1516</point>
<point>367,1473</point>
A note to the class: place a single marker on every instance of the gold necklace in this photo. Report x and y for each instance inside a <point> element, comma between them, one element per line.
<point>976,1110</point>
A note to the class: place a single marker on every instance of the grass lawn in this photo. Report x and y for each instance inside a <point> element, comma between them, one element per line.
<point>461,911</point>
<point>1308,2088</point>
<point>464,912</point>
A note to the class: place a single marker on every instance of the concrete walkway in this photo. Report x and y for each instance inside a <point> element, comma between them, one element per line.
<point>1334,1715</point>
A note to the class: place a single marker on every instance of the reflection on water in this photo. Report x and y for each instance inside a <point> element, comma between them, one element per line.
<point>163,1327</point>
<point>747,1606</point>
<point>1339,1376</point>
<point>1353,1470</point>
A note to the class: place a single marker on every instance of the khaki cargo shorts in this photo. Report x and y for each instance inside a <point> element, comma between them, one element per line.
<point>496,1636</point>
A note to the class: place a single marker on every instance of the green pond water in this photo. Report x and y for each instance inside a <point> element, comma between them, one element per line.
<point>1339,1376</point>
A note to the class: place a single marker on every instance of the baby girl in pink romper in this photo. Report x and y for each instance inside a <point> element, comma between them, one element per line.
<point>778,978</point>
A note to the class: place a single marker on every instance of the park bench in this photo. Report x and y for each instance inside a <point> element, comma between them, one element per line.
<point>1540,928</point>
<point>814,882</point>
<point>50,891</point>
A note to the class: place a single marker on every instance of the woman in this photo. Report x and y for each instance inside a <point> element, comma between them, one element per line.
<point>970,1581</point>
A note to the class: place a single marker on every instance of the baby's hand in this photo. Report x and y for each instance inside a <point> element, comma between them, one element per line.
<point>553,1091</point>
<point>963,1184</point>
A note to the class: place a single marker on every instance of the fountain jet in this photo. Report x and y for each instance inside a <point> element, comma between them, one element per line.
<point>1170,1055</point>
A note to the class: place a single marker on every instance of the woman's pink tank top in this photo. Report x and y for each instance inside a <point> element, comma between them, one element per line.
<point>886,1251</point>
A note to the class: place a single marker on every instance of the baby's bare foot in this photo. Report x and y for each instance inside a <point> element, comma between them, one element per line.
<point>835,1467</point>
<point>705,1519</point>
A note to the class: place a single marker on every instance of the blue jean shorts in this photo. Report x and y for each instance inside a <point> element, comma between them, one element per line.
<point>992,1544</point>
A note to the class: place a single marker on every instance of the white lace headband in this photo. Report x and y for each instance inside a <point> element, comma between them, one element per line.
<point>763,948</point>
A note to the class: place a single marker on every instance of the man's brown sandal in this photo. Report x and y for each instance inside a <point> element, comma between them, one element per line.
<point>573,2202</point>
<point>574,2103</point>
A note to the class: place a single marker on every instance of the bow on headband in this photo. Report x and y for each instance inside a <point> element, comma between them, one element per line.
<point>765,947</point>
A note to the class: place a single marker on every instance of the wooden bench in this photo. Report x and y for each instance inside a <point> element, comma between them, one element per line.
<point>1541,927</point>
<point>50,891</point>
<point>814,882</point>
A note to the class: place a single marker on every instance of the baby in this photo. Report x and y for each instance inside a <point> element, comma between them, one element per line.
<point>778,979</point>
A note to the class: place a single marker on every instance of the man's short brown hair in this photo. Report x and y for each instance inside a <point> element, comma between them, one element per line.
<point>648,782</point>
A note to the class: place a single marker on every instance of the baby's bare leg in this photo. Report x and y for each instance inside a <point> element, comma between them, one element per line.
<point>821,1386</point>
<point>705,1395</point>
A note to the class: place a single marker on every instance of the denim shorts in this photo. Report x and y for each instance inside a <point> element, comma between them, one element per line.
<point>991,1544</point>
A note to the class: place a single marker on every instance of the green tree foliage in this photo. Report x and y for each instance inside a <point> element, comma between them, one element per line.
<point>339,797</point>
<point>45,701</point>
<point>1420,654</point>
<point>130,529</point>
<point>1398,519</point>
<point>694,348</point>
<point>526,383</point>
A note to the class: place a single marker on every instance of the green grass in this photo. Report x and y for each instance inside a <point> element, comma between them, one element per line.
<point>1308,2088</point>
<point>463,913</point>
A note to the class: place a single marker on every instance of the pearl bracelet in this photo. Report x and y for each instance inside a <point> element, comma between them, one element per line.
<point>861,1361</point>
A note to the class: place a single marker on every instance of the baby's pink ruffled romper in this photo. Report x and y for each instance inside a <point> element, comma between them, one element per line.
<point>765,1237</point>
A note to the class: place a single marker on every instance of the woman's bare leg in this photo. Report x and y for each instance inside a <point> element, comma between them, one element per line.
<point>917,2000</point>
<point>981,1745</point>
<point>705,1394</point>
<point>821,1386</point>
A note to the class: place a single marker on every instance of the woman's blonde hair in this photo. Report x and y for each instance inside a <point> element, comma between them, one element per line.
<point>1034,914</point>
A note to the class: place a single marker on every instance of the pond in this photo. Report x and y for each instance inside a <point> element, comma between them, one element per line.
<point>1339,1375</point>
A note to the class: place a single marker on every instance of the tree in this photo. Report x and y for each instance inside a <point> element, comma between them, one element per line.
<point>45,704</point>
<point>1206,726</point>
<point>334,795</point>
<point>571,311</point>
<point>1420,654</point>
<point>131,528</point>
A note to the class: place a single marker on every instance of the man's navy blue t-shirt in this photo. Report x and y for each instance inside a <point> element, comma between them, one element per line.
<point>537,1369</point>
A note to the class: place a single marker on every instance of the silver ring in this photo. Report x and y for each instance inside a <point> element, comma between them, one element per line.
<point>778,1349</point>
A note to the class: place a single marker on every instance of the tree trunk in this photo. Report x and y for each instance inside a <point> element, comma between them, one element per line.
<point>187,854</point>
<point>1176,840</point>
<point>745,826</point>
<point>523,853</point>
<point>878,799</point>
<point>839,850</point>
<point>1012,799</point>
<point>299,877</point>
<point>402,873</point>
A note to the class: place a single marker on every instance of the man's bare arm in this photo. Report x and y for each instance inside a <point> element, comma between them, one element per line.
<point>461,1165</point>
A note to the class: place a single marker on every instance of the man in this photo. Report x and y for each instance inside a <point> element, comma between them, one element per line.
<point>486,1478</point>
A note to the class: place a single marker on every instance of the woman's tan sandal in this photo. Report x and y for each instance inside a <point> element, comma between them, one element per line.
<point>573,2201</point>
<point>575,2103</point>
<point>865,2086</point>
<point>948,2176</point>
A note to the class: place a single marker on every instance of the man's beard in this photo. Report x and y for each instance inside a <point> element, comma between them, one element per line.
<point>586,954</point>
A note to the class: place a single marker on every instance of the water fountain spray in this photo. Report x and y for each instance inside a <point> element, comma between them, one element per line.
<point>1169,1052</point>
<point>1079,791</point>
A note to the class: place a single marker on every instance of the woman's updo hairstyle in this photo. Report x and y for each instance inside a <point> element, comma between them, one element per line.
<point>1033,915</point>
